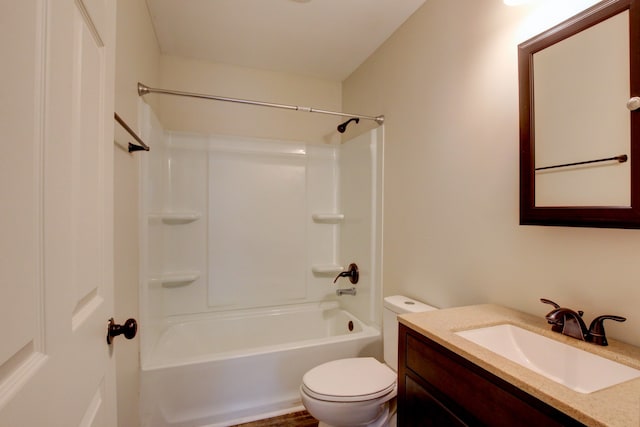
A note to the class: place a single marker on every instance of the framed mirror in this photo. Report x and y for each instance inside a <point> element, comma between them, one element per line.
<point>580,120</point>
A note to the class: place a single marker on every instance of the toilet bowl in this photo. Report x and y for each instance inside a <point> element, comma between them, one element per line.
<point>360,391</point>
<point>349,392</point>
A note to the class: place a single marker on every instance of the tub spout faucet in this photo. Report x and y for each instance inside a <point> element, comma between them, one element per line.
<point>350,291</point>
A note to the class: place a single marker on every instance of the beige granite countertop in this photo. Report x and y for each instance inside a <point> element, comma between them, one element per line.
<point>618,405</point>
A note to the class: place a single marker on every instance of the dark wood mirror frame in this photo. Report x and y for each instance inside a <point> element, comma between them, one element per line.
<point>591,216</point>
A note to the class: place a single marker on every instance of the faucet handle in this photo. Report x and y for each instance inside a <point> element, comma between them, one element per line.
<point>558,325</point>
<point>352,273</point>
<point>596,331</point>
<point>548,301</point>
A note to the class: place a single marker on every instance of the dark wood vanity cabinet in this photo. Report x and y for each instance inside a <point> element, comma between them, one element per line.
<point>437,387</point>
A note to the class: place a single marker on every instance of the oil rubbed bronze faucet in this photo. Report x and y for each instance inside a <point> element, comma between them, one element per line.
<point>569,322</point>
<point>352,273</point>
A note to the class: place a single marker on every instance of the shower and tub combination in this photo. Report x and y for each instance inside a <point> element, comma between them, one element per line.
<point>242,239</point>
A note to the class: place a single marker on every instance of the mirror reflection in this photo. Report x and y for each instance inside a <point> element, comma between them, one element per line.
<point>580,92</point>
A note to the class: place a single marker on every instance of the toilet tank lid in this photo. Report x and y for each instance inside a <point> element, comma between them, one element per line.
<point>401,304</point>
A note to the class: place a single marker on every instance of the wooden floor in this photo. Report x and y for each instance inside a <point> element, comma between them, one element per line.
<point>296,419</point>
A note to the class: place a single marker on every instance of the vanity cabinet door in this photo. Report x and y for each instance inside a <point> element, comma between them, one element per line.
<point>433,378</point>
<point>422,409</point>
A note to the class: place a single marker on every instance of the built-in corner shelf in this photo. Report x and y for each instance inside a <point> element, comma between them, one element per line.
<point>176,279</point>
<point>327,218</point>
<point>176,217</point>
<point>326,269</point>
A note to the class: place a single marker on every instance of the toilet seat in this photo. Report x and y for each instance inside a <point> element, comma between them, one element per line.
<point>349,380</point>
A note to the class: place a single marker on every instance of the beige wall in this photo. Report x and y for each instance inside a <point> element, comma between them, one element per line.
<point>206,116</point>
<point>449,92</point>
<point>137,58</point>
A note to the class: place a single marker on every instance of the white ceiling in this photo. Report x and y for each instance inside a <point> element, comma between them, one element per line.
<point>328,39</point>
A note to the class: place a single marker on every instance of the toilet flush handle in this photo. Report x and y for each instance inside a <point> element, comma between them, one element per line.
<point>352,273</point>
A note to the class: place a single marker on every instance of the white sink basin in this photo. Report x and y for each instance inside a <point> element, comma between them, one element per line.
<point>577,369</point>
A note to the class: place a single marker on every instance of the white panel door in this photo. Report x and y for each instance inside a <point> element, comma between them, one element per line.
<point>56,261</point>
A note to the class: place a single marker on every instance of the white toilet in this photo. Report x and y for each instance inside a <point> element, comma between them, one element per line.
<point>360,391</point>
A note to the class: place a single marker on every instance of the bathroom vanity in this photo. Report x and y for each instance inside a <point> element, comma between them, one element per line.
<point>445,379</point>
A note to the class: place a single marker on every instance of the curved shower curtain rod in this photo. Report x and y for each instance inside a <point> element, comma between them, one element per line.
<point>144,90</point>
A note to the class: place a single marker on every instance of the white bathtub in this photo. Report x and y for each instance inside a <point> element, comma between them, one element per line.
<point>226,368</point>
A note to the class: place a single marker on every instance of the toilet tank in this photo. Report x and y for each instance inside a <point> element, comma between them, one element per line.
<point>393,306</point>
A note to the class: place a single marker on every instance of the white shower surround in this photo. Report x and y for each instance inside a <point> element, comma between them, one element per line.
<point>183,178</point>
<point>257,208</point>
